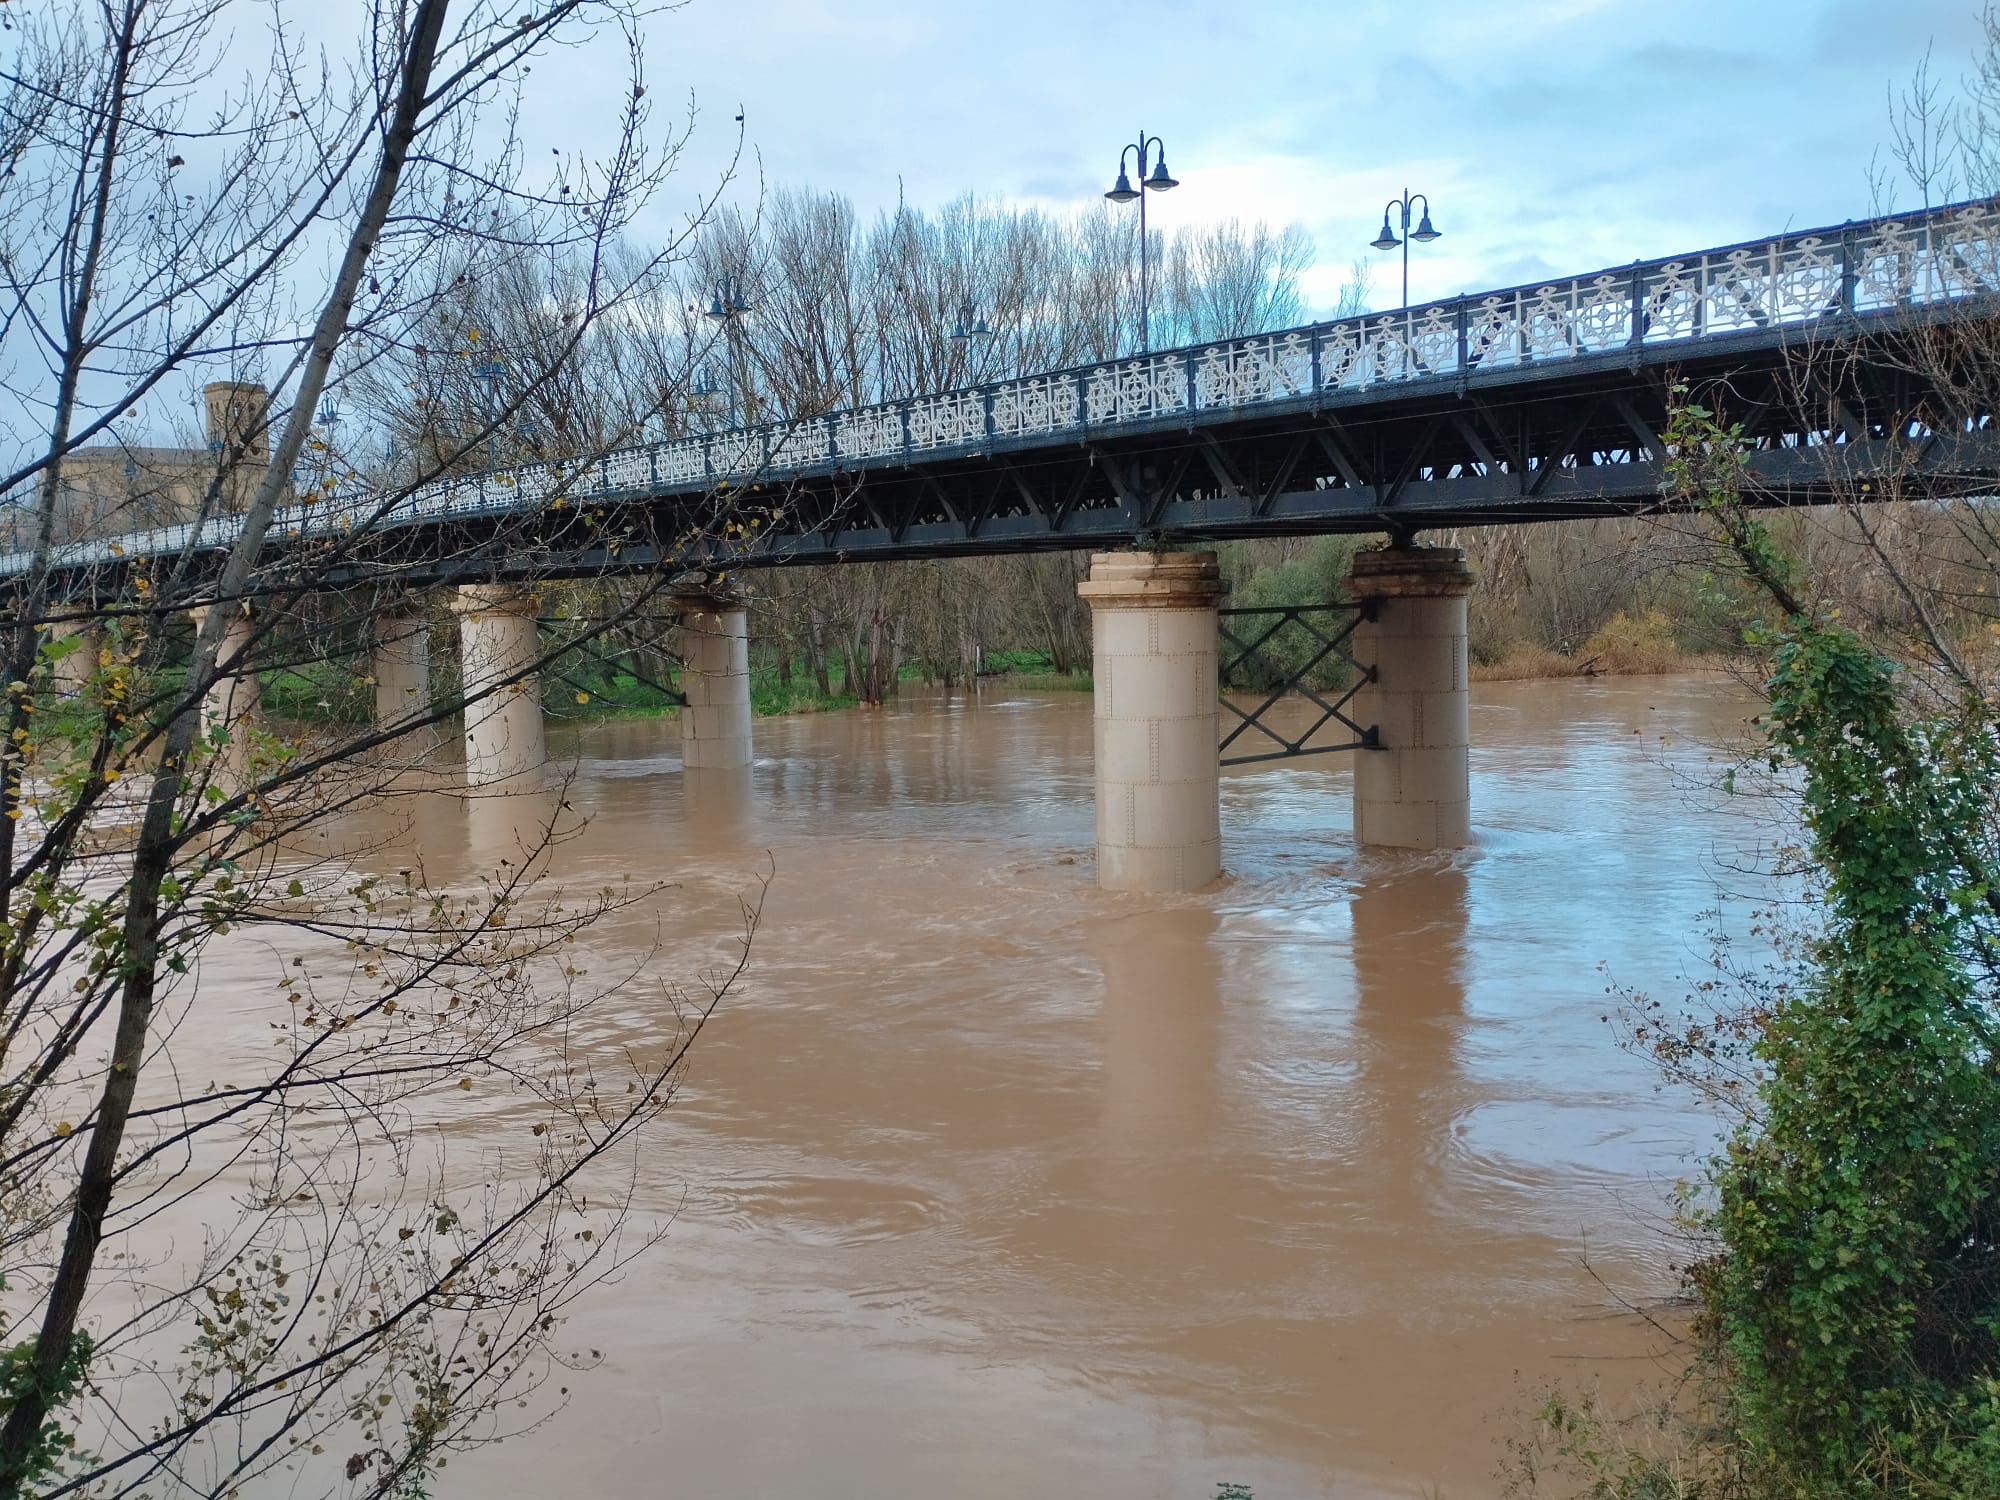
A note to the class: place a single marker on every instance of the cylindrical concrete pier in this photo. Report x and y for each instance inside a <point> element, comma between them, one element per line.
<point>1153,626</point>
<point>235,700</point>
<point>715,681</point>
<point>236,695</point>
<point>1415,792</point>
<point>498,642</point>
<point>401,667</point>
<point>73,670</point>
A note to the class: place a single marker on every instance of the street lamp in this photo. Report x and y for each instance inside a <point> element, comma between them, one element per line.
<point>329,418</point>
<point>489,372</point>
<point>1123,192</point>
<point>1423,234</point>
<point>968,329</point>
<point>701,396</point>
<point>726,309</point>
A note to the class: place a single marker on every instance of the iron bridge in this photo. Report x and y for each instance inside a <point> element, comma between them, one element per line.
<point>1529,403</point>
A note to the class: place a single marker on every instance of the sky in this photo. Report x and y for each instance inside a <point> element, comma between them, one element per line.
<point>1552,137</point>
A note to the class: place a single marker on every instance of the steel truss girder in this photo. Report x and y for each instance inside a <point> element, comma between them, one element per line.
<point>1292,680</point>
<point>1539,444</point>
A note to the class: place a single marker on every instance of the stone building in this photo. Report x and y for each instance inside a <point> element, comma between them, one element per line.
<point>112,487</point>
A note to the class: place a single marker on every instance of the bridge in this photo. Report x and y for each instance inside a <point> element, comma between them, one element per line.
<point>1528,403</point>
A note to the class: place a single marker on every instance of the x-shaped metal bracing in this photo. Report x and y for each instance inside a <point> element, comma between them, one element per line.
<point>1293,679</point>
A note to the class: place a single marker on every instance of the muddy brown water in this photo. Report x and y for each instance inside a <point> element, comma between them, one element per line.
<point>987,1183</point>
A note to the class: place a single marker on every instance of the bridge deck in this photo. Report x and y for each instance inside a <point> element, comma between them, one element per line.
<point>1534,402</point>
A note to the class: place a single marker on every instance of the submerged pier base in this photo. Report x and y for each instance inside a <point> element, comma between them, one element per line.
<point>1415,791</point>
<point>1153,635</point>
<point>715,681</point>
<point>498,643</point>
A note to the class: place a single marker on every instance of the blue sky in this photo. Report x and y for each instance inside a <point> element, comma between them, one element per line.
<point>1553,136</point>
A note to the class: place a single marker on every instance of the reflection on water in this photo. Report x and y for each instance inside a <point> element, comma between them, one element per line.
<point>1162,1022</point>
<point>716,805</point>
<point>1408,916</point>
<point>507,832</point>
<point>989,1183</point>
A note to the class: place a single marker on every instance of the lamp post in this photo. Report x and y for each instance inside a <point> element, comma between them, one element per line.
<point>488,372</point>
<point>1122,191</point>
<point>701,397</point>
<point>1423,234</point>
<point>726,308</point>
<point>968,329</point>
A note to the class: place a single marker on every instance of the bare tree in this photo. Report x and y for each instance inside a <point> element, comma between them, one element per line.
<point>284,235</point>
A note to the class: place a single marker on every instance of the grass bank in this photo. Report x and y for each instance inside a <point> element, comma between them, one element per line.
<point>1032,672</point>
<point>625,697</point>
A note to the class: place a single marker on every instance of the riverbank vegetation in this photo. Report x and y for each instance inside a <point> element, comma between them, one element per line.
<point>1843,1265</point>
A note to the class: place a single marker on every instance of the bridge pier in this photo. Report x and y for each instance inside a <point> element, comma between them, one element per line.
<point>401,666</point>
<point>1153,650</point>
<point>1415,792</point>
<point>71,673</point>
<point>715,682</point>
<point>235,700</point>
<point>498,643</point>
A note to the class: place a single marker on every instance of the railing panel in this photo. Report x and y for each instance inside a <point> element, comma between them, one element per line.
<point>1153,385</point>
<point>1805,281</point>
<point>1035,407</point>
<point>803,444</point>
<point>1342,356</point>
<point>948,420</point>
<point>871,432</point>
<point>1261,369</point>
<point>1600,314</point>
<point>628,469</point>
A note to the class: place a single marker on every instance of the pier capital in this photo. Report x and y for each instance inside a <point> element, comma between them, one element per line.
<point>706,601</point>
<point>476,599</point>
<point>1411,573</point>
<point>1152,580</point>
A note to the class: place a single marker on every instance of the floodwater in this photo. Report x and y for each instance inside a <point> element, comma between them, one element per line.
<point>986,1183</point>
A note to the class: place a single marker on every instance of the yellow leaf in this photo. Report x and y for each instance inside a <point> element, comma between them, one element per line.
<point>466,1084</point>
<point>109,777</point>
<point>583,697</point>
<point>62,1130</point>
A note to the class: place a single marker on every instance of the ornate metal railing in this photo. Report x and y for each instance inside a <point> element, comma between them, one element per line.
<point>1793,281</point>
<point>1286,651</point>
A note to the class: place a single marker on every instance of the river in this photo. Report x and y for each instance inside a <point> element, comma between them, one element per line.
<point>986,1183</point>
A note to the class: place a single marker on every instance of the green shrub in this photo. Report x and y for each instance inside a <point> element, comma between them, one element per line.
<point>1854,1299</point>
<point>1642,641</point>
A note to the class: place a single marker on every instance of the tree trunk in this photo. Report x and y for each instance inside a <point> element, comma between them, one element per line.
<point>159,840</point>
<point>816,653</point>
<point>877,681</point>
